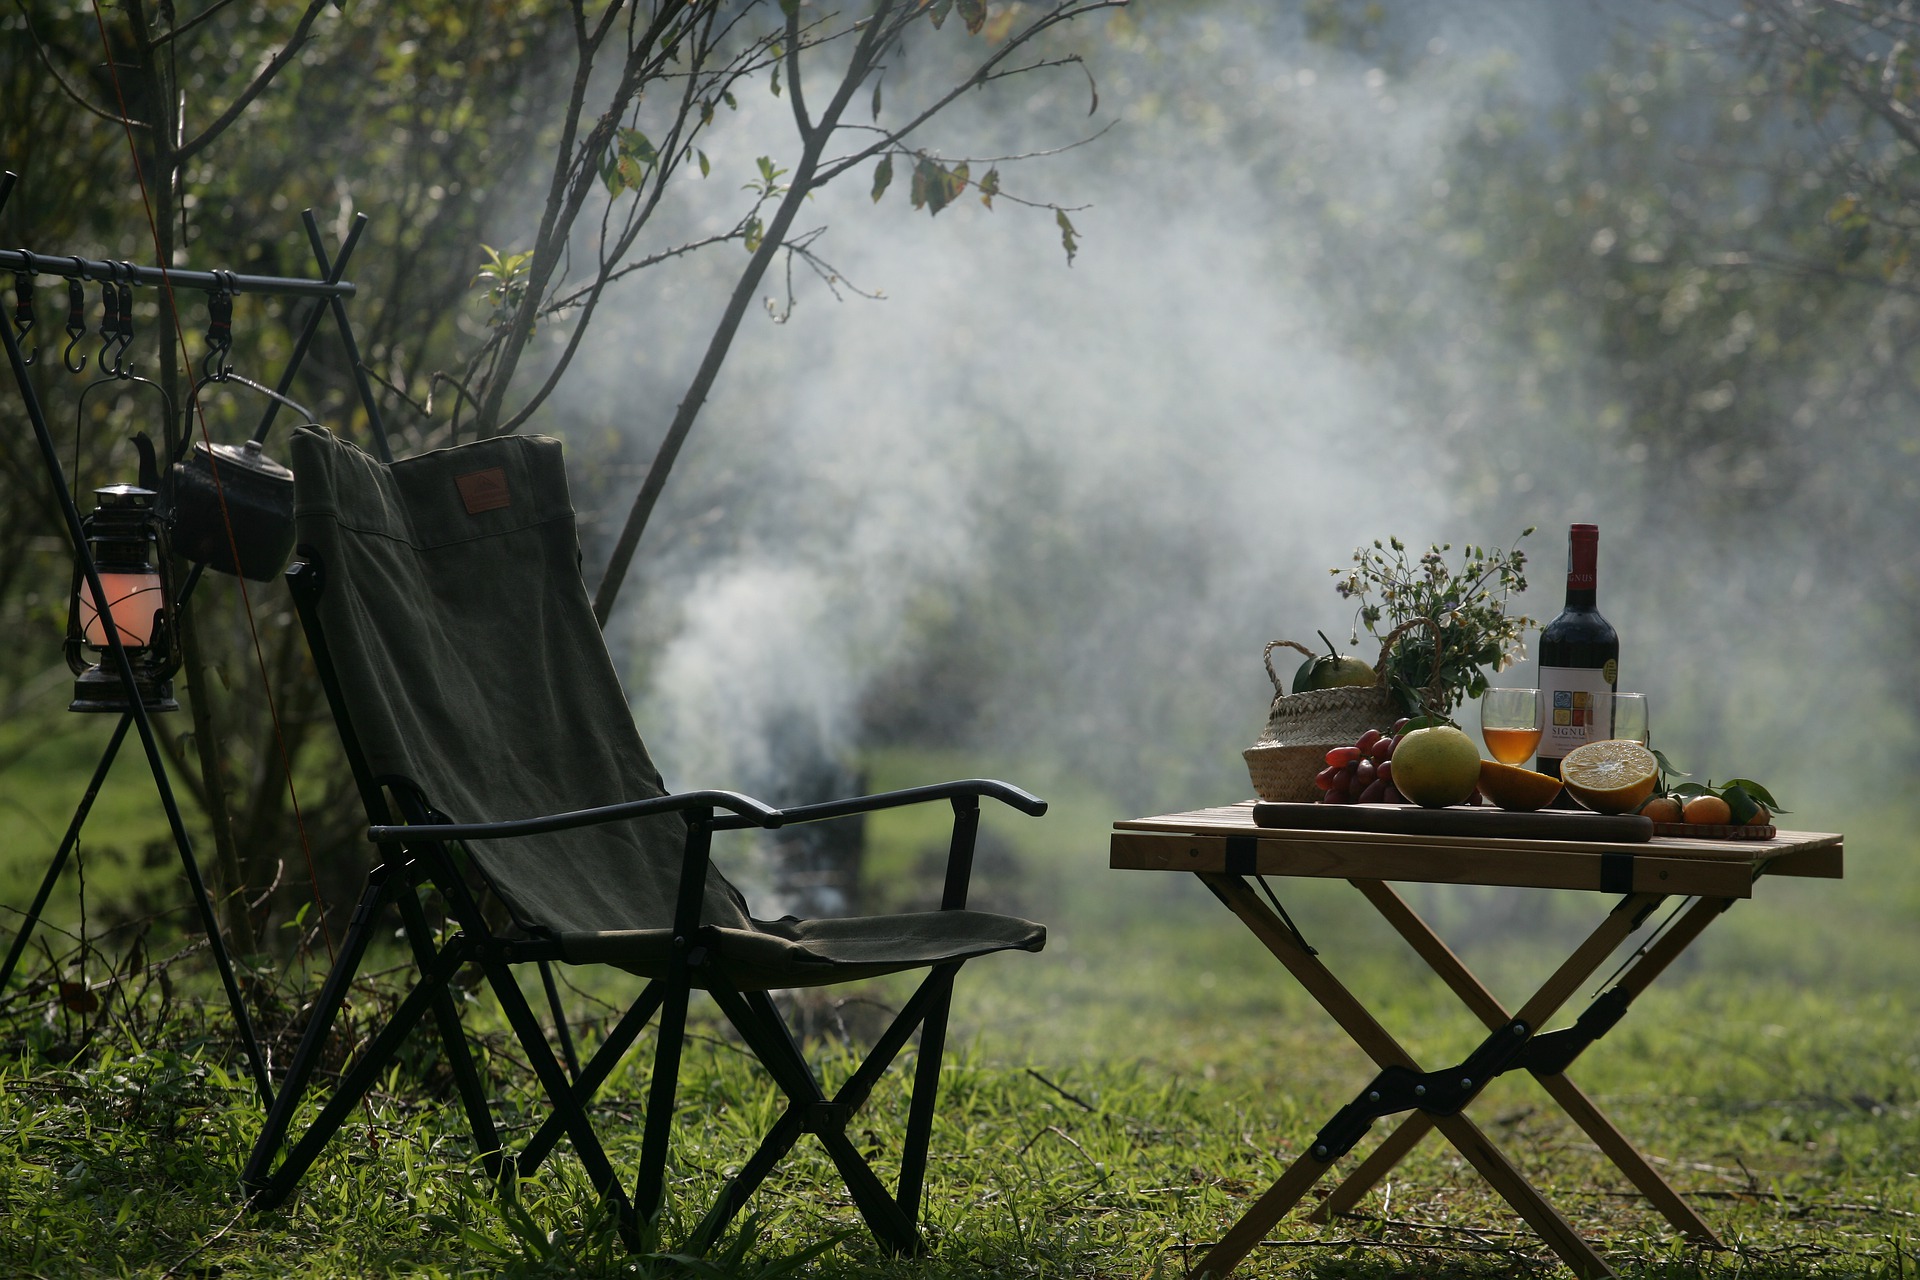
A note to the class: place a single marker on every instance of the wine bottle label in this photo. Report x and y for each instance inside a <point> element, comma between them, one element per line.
<point>1578,710</point>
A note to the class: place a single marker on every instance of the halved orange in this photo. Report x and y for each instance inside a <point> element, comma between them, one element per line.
<point>1511,787</point>
<point>1615,776</point>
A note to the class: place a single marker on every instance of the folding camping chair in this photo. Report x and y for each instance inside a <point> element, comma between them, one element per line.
<point>442,600</point>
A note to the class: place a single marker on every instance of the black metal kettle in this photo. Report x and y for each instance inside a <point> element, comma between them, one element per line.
<point>258,497</point>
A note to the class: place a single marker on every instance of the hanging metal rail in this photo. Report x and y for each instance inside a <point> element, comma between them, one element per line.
<point>133,273</point>
<point>334,290</point>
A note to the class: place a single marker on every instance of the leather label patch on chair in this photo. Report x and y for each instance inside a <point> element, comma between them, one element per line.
<point>484,490</point>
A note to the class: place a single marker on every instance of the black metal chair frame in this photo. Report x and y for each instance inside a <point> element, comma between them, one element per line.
<point>423,850</point>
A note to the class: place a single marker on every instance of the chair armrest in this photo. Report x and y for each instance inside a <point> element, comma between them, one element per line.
<point>748,813</point>
<point>965,796</point>
<point>1006,793</point>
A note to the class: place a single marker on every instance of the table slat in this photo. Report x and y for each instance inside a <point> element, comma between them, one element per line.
<point>1198,841</point>
<point>1586,867</point>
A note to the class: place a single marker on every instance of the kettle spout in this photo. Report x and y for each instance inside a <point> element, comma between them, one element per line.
<point>149,461</point>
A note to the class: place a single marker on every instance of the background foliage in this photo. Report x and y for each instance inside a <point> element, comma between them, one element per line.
<point>1349,270</point>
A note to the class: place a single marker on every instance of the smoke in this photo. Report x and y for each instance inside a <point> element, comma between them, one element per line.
<point>1054,512</point>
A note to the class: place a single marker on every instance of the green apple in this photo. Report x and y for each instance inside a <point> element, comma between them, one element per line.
<point>1332,671</point>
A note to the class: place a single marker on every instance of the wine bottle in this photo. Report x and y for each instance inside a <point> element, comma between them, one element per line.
<point>1579,660</point>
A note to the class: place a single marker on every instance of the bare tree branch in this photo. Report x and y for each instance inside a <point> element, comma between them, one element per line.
<point>79,99</point>
<point>256,87</point>
<point>981,75</point>
<point>804,182</point>
<point>575,172</point>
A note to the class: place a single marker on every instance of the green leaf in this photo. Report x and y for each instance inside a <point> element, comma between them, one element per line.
<point>936,186</point>
<point>705,167</point>
<point>937,14</point>
<point>628,159</point>
<point>974,12</point>
<point>929,185</point>
<point>1069,238</point>
<point>989,187</point>
<point>878,81</point>
<point>770,175</point>
<point>1740,805</point>
<point>882,177</point>
<point>639,146</point>
<point>755,232</point>
<point>1758,792</point>
<point>1667,769</point>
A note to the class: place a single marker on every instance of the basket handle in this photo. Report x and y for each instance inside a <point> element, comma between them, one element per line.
<point>1266,656</point>
<point>1428,696</point>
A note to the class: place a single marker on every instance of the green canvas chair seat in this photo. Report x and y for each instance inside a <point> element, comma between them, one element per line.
<point>809,953</point>
<point>493,747</point>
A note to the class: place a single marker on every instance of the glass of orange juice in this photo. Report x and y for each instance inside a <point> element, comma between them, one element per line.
<point>1510,723</point>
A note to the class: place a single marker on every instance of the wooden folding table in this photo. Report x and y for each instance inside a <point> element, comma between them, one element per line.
<point>1224,847</point>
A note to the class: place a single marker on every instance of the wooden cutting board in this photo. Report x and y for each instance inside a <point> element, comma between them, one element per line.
<point>1458,820</point>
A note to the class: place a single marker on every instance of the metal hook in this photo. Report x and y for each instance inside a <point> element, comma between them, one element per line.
<point>23,302</point>
<point>109,317</point>
<point>121,367</point>
<point>76,323</point>
<point>216,367</point>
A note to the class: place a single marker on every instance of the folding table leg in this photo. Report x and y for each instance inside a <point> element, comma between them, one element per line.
<point>1394,1148</point>
<point>1617,1148</point>
<point>1441,959</point>
<point>1620,922</point>
<point>1546,1220</point>
<point>1374,1040</point>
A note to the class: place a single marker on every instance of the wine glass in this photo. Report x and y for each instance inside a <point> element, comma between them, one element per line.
<point>1630,717</point>
<point>1510,723</point>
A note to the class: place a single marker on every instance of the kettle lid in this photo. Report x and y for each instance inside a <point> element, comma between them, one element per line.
<point>245,457</point>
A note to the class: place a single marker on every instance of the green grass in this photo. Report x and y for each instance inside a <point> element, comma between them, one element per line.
<point>1110,1103</point>
<point>126,853</point>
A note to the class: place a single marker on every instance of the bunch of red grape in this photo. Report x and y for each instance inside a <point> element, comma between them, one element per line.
<point>1363,772</point>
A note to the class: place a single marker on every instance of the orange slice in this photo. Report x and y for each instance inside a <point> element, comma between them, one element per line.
<point>1511,787</point>
<point>1615,776</point>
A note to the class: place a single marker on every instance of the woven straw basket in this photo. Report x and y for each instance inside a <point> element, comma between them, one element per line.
<point>1303,727</point>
